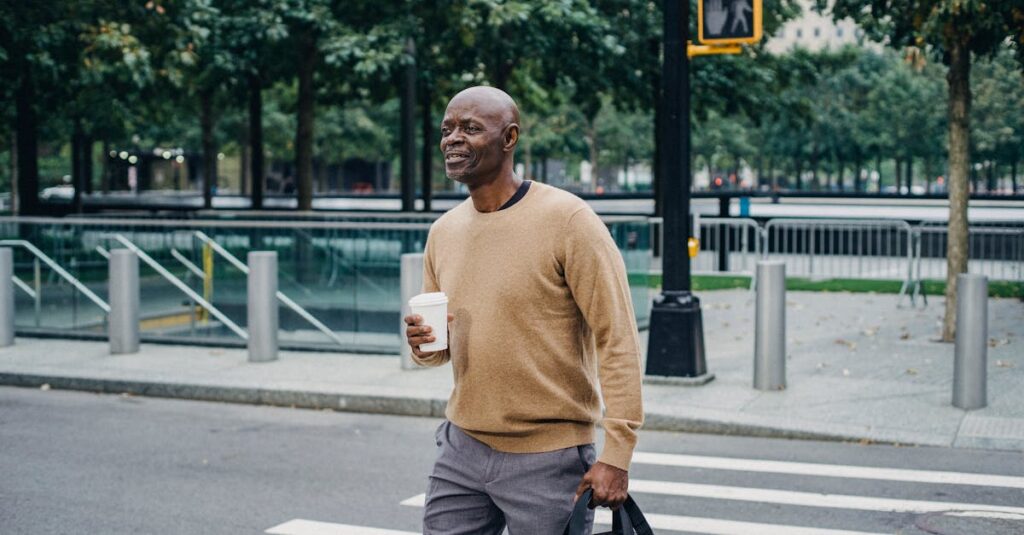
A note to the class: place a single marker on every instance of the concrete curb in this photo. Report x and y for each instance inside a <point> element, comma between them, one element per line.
<point>682,424</point>
<point>392,405</point>
<point>403,406</point>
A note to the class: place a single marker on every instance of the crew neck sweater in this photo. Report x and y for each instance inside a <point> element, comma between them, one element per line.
<point>543,326</point>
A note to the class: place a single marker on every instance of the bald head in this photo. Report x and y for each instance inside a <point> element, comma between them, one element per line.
<point>490,100</point>
<point>479,134</point>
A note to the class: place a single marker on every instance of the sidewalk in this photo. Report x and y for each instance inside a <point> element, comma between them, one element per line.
<point>858,369</point>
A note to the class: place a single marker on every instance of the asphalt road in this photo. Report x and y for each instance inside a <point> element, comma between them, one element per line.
<point>75,462</point>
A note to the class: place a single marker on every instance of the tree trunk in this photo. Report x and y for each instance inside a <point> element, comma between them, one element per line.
<point>878,169</point>
<point>591,138</point>
<point>244,161</point>
<point>856,175</point>
<point>991,186</point>
<point>1013,176</point>
<point>840,177</point>
<point>87,161</point>
<point>527,162</point>
<point>206,121</point>
<point>927,175</point>
<point>910,174</point>
<point>734,176</point>
<point>13,174</point>
<point>27,140</point>
<point>898,169</point>
<point>304,131</point>
<point>256,166</point>
<point>959,107</point>
<point>799,175</point>
<point>407,128</point>
<point>105,171</point>
<point>429,146</point>
<point>77,177</point>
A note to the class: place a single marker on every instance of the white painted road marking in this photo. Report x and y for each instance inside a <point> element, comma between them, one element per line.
<point>982,514</point>
<point>808,499</point>
<point>312,527</point>
<point>418,500</point>
<point>829,470</point>
<point>711,526</point>
<point>714,526</point>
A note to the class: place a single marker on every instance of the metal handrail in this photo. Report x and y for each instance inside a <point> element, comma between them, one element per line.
<point>59,271</point>
<point>180,285</point>
<point>284,299</point>
<point>25,287</point>
<point>189,265</point>
<point>203,223</point>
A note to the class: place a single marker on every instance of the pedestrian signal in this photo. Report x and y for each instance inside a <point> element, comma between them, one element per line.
<point>728,22</point>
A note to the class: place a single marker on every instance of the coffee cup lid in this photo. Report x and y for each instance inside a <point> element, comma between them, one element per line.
<point>432,298</point>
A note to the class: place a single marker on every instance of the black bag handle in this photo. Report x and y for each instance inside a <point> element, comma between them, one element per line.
<point>627,520</point>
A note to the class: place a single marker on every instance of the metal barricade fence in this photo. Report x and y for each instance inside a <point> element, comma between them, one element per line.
<point>876,249</point>
<point>728,245</point>
<point>994,249</point>
<point>842,248</point>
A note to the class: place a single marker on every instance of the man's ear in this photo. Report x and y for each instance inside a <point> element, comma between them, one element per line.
<point>511,137</point>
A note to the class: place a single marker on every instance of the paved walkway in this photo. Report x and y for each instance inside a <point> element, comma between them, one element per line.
<point>859,368</point>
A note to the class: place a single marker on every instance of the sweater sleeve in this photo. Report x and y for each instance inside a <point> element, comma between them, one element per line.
<point>430,284</point>
<point>596,275</point>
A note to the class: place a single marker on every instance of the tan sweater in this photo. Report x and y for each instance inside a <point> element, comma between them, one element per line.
<point>542,316</point>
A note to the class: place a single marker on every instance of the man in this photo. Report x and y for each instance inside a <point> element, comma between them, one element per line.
<point>540,314</point>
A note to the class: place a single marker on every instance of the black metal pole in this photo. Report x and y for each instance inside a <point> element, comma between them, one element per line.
<point>676,346</point>
<point>408,132</point>
<point>724,235</point>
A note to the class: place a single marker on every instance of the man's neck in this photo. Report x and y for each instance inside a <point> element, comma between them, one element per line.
<point>490,196</point>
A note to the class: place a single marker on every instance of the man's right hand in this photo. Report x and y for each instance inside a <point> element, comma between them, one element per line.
<point>416,333</point>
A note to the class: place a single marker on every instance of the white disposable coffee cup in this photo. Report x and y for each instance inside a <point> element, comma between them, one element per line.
<point>433,307</point>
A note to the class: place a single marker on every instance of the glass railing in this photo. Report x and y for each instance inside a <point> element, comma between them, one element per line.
<point>343,274</point>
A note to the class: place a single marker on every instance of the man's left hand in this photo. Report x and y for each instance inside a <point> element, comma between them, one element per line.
<point>610,486</point>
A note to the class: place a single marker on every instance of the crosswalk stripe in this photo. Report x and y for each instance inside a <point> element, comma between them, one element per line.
<point>312,527</point>
<point>709,526</point>
<point>418,500</point>
<point>807,499</point>
<point>714,526</point>
<point>829,470</point>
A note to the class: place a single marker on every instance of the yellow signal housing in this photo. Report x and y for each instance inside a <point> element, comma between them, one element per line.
<point>729,25</point>
<point>693,245</point>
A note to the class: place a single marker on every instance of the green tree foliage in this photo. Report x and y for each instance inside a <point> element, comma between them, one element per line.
<point>312,83</point>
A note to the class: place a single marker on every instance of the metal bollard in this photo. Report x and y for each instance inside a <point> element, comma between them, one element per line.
<point>411,284</point>
<point>123,328</point>
<point>770,326</point>
<point>6,296</point>
<point>262,306</point>
<point>970,357</point>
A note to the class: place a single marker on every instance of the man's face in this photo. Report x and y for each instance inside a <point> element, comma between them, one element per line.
<point>472,139</point>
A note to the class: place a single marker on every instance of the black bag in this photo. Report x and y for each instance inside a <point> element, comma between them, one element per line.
<point>628,520</point>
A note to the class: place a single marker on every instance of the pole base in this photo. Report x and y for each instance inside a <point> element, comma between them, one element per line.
<point>699,380</point>
<point>676,344</point>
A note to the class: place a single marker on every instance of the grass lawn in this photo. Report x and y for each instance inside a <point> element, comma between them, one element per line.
<point>930,287</point>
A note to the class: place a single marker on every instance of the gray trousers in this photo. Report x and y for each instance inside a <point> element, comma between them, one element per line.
<point>474,489</point>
